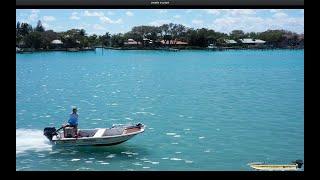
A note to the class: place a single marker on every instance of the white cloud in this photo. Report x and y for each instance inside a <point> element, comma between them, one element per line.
<point>74,16</point>
<point>197,21</point>
<point>280,15</point>
<point>102,17</point>
<point>45,25</point>
<point>110,13</point>
<point>237,12</point>
<point>159,22</point>
<point>119,21</point>
<point>34,15</point>
<point>230,12</point>
<point>35,11</point>
<point>227,24</point>
<point>213,11</point>
<point>107,20</point>
<point>275,10</point>
<point>258,24</point>
<point>98,27</point>
<point>177,16</point>
<point>81,26</point>
<point>93,13</point>
<point>129,13</point>
<point>288,23</point>
<point>49,18</point>
<point>249,21</point>
<point>59,28</point>
<point>162,11</point>
<point>23,15</point>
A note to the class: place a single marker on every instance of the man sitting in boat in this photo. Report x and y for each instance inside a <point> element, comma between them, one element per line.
<point>73,121</point>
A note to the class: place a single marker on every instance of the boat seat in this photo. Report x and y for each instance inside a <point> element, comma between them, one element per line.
<point>99,133</point>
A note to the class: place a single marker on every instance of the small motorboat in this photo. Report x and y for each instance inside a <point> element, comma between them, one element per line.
<point>296,165</point>
<point>93,137</point>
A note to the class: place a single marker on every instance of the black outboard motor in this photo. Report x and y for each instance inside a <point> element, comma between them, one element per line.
<point>299,163</point>
<point>49,132</point>
<point>139,125</point>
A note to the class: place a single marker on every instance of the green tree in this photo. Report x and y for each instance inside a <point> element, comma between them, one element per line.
<point>179,31</point>
<point>273,37</point>
<point>191,37</point>
<point>24,29</point>
<point>39,27</point>
<point>47,37</point>
<point>117,40</point>
<point>18,25</point>
<point>202,37</point>
<point>133,35</point>
<point>252,35</point>
<point>165,32</point>
<point>18,35</point>
<point>74,38</point>
<point>82,32</point>
<point>39,38</point>
<point>33,40</point>
<point>106,39</point>
<point>237,34</point>
<point>93,40</point>
<point>221,41</point>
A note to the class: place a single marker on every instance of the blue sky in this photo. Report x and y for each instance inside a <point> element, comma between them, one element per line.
<point>99,21</point>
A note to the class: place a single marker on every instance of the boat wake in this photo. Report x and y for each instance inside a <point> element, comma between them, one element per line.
<point>31,140</point>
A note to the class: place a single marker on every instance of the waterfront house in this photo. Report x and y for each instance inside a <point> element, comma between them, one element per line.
<point>21,44</point>
<point>212,46</point>
<point>174,43</point>
<point>56,44</point>
<point>18,49</point>
<point>230,42</point>
<point>252,43</point>
<point>132,42</point>
<point>147,42</point>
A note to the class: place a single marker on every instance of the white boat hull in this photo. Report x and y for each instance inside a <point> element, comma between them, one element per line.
<point>275,167</point>
<point>98,137</point>
<point>91,141</point>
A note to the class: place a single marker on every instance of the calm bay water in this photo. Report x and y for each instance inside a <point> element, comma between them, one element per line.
<point>204,110</point>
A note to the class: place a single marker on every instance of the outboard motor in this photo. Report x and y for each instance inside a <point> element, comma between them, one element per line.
<point>49,132</point>
<point>139,125</point>
<point>299,163</point>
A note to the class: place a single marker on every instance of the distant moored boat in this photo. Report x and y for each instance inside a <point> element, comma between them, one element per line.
<point>296,165</point>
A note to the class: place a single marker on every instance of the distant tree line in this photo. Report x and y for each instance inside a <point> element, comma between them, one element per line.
<point>40,38</point>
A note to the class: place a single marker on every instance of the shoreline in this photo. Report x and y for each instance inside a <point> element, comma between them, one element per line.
<point>152,49</point>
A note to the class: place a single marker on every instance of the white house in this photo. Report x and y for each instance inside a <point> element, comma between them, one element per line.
<point>230,41</point>
<point>252,41</point>
<point>56,41</point>
<point>132,42</point>
<point>56,44</point>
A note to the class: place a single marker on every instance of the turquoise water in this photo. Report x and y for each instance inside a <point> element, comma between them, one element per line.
<point>204,110</point>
